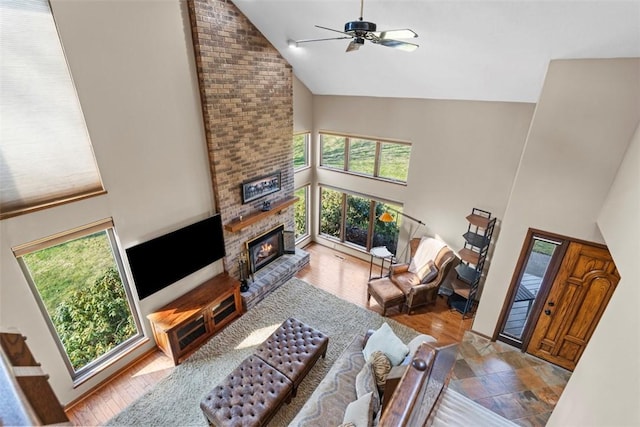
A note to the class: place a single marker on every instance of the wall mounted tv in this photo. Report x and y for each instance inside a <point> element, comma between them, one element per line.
<point>162,261</point>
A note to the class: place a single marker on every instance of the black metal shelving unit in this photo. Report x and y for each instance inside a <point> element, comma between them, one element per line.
<point>473,255</point>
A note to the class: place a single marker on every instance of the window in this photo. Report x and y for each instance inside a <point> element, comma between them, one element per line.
<point>357,220</point>
<point>331,202</point>
<point>375,158</point>
<point>359,226</point>
<point>362,156</point>
<point>301,212</point>
<point>78,281</point>
<point>394,161</point>
<point>332,151</point>
<point>301,150</point>
<point>46,152</point>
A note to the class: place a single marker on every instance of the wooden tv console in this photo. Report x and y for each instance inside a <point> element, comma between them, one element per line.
<point>186,323</point>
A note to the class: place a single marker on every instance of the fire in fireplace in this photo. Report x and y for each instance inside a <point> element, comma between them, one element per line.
<point>265,248</point>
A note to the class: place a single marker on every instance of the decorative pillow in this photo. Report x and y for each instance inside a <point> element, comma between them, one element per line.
<point>381,366</point>
<point>366,383</point>
<point>431,273</point>
<point>360,411</point>
<point>385,340</point>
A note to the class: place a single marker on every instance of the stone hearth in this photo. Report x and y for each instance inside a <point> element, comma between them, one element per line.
<point>270,277</point>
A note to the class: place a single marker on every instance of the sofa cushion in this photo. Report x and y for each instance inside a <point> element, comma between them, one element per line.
<point>385,340</point>
<point>329,400</point>
<point>360,411</point>
<point>365,383</point>
<point>381,366</point>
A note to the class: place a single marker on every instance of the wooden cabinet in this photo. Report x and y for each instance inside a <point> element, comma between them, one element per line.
<point>183,325</point>
<point>472,258</point>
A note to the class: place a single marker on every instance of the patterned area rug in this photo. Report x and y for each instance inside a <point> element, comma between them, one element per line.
<point>176,399</point>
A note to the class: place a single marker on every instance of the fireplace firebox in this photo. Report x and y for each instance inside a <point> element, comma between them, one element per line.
<point>265,248</point>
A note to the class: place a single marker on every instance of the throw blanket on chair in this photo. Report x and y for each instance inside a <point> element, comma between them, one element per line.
<point>427,251</point>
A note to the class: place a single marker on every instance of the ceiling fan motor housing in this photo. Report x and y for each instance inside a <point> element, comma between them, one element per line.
<point>359,27</point>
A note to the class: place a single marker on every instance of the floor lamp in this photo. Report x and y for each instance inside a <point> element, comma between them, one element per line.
<point>387,217</point>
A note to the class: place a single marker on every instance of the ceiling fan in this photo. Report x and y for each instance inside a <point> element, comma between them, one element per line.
<point>360,30</point>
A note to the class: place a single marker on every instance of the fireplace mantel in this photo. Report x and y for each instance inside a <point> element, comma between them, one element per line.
<point>252,218</point>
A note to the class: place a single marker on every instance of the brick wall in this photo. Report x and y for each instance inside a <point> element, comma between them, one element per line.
<point>246,91</point>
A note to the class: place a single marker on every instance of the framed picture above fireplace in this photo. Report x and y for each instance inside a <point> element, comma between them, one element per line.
<point>256,188</point>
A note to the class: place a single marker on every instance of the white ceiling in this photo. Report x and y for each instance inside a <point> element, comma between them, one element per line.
<point>469,50</point>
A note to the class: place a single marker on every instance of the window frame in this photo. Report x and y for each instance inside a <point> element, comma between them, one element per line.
<point>306,148</point>
<point>307,191</point>
<point>343,221</point>
<point>378,161</point>
<point>102,362</point>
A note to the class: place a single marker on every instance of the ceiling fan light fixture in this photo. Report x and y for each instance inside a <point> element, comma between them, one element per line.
<point>359,27</point>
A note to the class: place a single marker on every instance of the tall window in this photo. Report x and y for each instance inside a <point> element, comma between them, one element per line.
<point>386,160</point>
<point>47,157</point>
<point>353,219</point>
<point>301,150</point>
<point>301,212</point>
<point>79,283</point>
<point>331,203</point>
<point>357,220</point>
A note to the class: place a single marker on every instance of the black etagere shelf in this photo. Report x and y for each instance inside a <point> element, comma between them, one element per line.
<point>473,255</point>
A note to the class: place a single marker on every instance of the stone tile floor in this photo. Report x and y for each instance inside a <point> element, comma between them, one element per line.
<point>500,377</point>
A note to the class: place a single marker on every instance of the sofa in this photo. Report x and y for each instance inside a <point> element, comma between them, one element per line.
<point>340,391</point>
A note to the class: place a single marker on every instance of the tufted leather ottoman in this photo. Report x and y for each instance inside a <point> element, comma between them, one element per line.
<point>293,349</point>
<point>248,396</point>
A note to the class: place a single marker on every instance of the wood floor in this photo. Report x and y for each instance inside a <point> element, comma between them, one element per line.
<point>335,272</point>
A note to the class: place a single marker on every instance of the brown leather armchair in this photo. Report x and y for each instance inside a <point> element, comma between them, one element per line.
<point>421,286</point>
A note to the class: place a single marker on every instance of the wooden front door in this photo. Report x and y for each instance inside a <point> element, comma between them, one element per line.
<point>578,296</point>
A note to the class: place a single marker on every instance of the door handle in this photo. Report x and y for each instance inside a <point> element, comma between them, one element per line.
<point>547,312</point>
<point>551,303</point>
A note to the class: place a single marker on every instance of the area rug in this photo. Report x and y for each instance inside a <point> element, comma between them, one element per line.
<point>175,401</point>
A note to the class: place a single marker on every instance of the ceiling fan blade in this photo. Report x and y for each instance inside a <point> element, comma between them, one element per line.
<point>407,47</point>
<point>397,34</point>
<point>297,43</point>
<point>331,29</point>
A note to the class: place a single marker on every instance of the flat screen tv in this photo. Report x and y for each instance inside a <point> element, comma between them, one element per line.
<point>162,261</point>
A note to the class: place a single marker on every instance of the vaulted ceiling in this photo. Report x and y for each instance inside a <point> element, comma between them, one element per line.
<point>469,50</point>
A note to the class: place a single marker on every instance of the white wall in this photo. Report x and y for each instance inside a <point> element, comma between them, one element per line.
<point>134,69</point>
<point>583,124</point>
<point>464,155</point>
<point>581,128</point>
<point>605,386</point>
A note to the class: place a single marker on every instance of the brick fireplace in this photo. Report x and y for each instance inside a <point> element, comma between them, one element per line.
<point>246,90</point>
<point>265,248</point>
